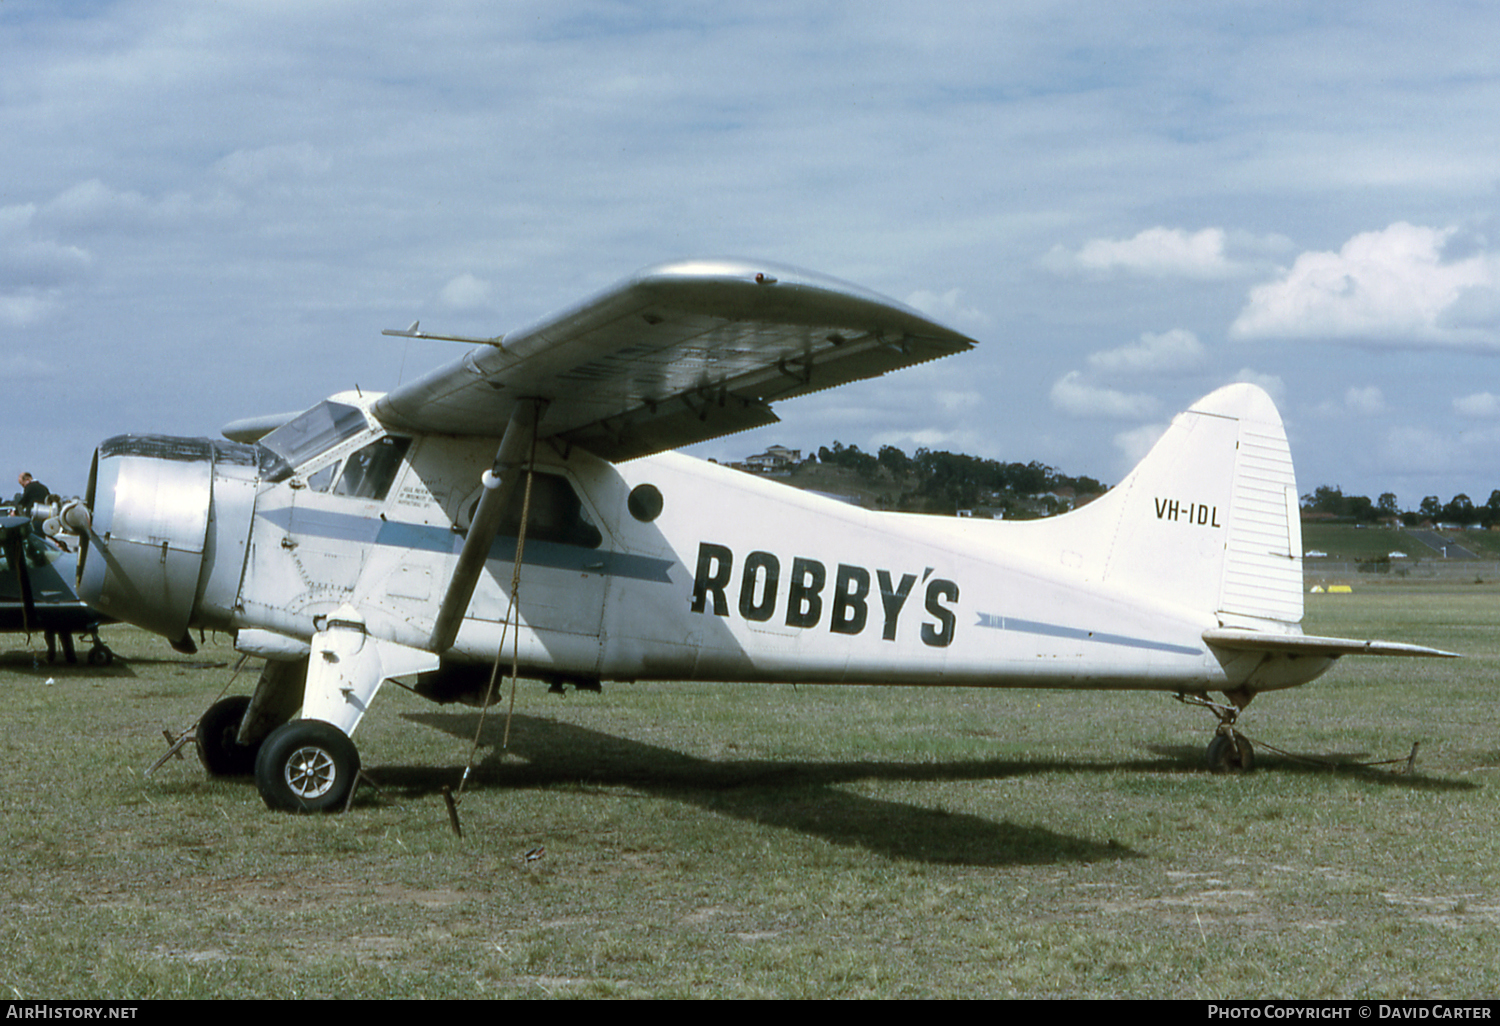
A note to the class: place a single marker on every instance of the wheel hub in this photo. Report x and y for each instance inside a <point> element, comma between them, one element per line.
<point>310,772</point>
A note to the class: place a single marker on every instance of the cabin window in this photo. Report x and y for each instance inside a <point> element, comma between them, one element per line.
<point>557,513</point>
<point>644,503</point>
<point>369,472</point>
<point>323,479</point>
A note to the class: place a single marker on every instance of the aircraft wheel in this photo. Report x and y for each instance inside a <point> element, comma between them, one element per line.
<point>218,750</point>
<point>1226,756</point>
<point>101,655</point>
<point>306,766</point>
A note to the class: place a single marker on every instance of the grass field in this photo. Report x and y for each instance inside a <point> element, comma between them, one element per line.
<point>714,841</point>
<point>1348,542</point>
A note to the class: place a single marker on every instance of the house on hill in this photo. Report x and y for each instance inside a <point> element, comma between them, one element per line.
<point>777,457</point>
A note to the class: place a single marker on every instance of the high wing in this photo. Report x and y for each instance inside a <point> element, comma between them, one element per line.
<point>678,353</point>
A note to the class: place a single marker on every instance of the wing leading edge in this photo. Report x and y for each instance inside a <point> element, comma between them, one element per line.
<point>678,353</point>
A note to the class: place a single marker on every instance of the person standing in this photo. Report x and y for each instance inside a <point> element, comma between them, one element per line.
<point>32,491</point>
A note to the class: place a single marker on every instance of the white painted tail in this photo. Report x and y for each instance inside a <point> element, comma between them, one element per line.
<point>1209,519</point>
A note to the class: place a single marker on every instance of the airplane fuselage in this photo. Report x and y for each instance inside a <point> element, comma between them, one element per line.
<point>667,567</point>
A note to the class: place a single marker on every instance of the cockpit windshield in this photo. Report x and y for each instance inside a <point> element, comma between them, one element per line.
<point>300,439</point>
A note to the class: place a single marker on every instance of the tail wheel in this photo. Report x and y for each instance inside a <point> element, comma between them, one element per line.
<point>220,753</point>
<point>1229,753</point>
<point>306,766</point>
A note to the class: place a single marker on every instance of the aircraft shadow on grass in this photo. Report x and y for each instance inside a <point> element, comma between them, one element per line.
<point>33,662</point>
<point>805,795</point>
<point>1346,764</point>
<point>793,795</point>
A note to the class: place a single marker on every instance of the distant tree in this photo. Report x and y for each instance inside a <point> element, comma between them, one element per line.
<point>1387,505</point>
<point>1028,479</point>
<point>894,460</point>
<point>848,457</point>
<point>1431,508</point>
<point>1459,510</point>
<point>1333,502</point>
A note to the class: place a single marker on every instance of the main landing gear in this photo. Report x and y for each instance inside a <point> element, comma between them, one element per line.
<point>307,766</point>
<point>100,654</point>
<point>301,766</point>
<point>218,748</point>
<point>1229,751</point>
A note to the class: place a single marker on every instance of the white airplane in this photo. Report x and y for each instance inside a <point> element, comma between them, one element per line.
<point>375,536</point>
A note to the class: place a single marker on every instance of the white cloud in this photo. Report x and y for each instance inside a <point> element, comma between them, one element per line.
<point>1366,401</point>
<point>465,292</point>
<point>296,162</point>
<point>1480,404</point>
<point>955,401</point>
<point>94,203</point>
<point>1272,383</point>
<point>929,438</point>
<point>1169,351</point>
<point>1072,394</point>
<point>1427,451</point>
<point>1392,285</point>
<point>1155,252</point>
<point>27,256</point>
<point>22,309</point>
<point>34,270</point>
<point>25,367</point>
<point>946,309</point>
<point>1137,442</point>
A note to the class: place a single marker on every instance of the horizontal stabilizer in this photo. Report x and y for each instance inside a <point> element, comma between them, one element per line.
<point>1303,644</point>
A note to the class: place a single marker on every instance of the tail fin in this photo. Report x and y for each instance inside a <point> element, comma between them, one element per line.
<point>1209,519</point>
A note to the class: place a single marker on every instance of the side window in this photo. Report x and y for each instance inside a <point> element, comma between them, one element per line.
<point>320,481</point>
<point>557,514</point>
<point>369,472</point>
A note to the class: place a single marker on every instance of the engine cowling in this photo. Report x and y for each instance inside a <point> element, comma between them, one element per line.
<point>158,532</point>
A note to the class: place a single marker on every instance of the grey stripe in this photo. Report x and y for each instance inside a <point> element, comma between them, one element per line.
<point>1052,630</point>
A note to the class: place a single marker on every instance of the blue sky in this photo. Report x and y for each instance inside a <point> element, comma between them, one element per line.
<point>210,211</point>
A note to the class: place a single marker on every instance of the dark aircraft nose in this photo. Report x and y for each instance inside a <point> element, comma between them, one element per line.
<point>160,525</point>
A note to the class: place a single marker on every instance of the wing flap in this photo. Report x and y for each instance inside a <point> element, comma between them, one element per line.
<point>677,354</point>
<point>1306,644</point>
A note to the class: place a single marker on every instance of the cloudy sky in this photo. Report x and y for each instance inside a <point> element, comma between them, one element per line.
<point>210,211</point>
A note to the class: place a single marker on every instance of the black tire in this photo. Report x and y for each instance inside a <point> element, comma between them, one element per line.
<point>1224,756</point>
<point>306,766</point>
<point>101,655</point>
<point>218,750</point>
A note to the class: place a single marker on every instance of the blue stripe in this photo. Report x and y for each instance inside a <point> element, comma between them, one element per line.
<point>430,538</point>
<point>1052,630</point>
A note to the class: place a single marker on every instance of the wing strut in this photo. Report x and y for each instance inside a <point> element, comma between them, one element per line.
<point>510,465</point>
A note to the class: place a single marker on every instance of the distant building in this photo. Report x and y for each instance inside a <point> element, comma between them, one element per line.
<point>777,457</point>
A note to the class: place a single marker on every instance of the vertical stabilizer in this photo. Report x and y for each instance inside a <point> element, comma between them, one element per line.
<point>1209,519</point>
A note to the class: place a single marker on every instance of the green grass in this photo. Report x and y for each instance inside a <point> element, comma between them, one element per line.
<point>1346,542</point>
<point>745,841</point>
